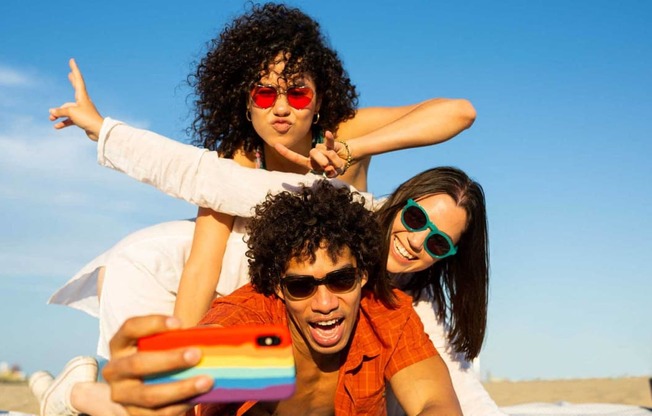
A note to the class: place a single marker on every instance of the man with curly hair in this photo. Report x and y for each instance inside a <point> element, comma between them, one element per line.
<point>316,265</point>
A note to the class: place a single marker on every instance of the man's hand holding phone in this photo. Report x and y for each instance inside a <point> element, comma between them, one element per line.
<point>248,362</point>
<point>128,366</point>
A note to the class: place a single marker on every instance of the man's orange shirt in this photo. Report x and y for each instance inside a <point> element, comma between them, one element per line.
<point>385,341</point>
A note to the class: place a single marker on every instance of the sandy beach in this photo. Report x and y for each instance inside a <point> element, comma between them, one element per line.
<point>633,391</point>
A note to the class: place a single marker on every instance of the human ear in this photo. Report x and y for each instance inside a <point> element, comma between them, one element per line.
<point>318,105</point>
<point>279,292</point>
<point>364,279</point>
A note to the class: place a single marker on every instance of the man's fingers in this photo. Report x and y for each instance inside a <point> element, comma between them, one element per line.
<point>173,410</point>
<point>128,367</point>
<point>161,394</point>
<point>146,363</point>
<point>138,327</point>
<point>125,376</point>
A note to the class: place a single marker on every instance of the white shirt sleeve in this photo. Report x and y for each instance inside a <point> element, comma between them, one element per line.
<point>196,175</point>
<point>473,398</point>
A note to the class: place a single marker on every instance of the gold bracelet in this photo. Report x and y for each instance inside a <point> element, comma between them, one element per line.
<point>349,158</point>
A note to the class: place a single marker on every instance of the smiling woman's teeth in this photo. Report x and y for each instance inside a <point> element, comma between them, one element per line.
<point>401,250</point>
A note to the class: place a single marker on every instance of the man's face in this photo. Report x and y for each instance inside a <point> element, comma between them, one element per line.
<point>326,318</point>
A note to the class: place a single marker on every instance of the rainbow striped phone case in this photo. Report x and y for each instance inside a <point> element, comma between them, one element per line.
<point>246,362</point>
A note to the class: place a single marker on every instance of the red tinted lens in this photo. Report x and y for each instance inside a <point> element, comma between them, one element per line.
<point>414,218</point>
<point>263,97</point>
<point>437,245</point>
<point>299,97</point>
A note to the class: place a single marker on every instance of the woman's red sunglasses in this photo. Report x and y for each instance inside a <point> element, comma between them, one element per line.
<point>264,96</point>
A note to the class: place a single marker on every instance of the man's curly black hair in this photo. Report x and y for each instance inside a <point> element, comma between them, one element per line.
<point>234,63</point>
<point>293,225</point>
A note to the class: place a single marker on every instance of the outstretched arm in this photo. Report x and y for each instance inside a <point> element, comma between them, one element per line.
<point>377,130</point>
<point>183,171</point>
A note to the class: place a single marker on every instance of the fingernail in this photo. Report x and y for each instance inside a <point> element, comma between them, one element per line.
<point>192,355</point>
<point>173,323</point>
<point>204,383</point>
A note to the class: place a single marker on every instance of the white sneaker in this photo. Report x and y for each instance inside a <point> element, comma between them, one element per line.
<point>56,399</point>
<point>39,382</point>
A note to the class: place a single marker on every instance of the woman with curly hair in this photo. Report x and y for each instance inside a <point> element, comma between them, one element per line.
<point>270,86</point>
<point>269,90</point>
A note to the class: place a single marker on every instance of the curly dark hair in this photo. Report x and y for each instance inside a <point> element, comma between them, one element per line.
<point>459,284</point>
<point>293,225</point>
<point>234,63</point>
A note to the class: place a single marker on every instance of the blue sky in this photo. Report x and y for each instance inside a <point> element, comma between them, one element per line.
<point>561,145</point>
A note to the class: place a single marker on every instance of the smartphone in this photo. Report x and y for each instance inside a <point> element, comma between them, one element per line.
<point>249,362</point>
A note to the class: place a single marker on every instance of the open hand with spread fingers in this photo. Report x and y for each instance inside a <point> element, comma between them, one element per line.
<point>331,158</point>
<point>81,113</point>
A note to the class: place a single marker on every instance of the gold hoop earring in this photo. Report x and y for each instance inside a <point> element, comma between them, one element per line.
<point>315,120</point>
<point>248,115</point>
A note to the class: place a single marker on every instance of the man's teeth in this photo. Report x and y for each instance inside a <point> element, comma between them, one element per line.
<point>401,250</point>
<point>327,323</point>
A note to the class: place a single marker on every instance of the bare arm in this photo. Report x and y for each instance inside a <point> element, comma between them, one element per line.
<point>425,388</point>
<point>202,270</point>
<point>377,130</point>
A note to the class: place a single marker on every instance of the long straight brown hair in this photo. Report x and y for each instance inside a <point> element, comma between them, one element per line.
<point>459,283</point>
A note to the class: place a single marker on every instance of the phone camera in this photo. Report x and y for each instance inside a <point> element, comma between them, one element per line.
<point>268,340</point>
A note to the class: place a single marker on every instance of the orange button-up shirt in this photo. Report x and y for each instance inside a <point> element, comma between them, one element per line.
<point>385,341</point>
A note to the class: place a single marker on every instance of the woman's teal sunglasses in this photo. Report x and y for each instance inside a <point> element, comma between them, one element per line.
<point>415,218</point>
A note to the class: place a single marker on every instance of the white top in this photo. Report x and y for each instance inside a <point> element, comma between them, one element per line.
<point>196,175</point>
<point>143,270</point>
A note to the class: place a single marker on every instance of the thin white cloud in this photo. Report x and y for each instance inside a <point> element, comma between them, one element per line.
<point>30,146</point>
<point>13,78</point>
<point>40,165</point>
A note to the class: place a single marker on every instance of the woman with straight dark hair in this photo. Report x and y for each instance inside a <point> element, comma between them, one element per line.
<point>456,283</point>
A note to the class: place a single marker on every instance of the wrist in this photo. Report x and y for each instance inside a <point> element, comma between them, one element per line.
<point>348,158</point>
<point>93,132</point>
